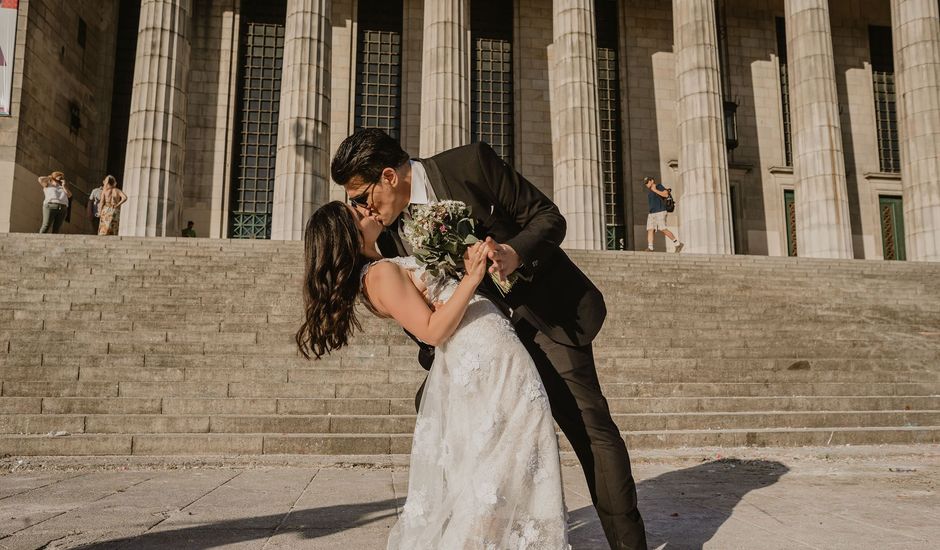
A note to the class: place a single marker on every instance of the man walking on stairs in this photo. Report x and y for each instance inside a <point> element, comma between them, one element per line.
<point>656,221</point>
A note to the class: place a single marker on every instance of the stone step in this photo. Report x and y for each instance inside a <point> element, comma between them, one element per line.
<point>265,389</point>
<point>404,424</point>
<point>703,281</point>
<point>167,341</point>
<point>615,334</point>
<point>355,444</point>
<point>407,373</point>
<point>405,406</point>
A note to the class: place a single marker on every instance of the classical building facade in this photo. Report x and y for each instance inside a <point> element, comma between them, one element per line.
<point>784,127</point>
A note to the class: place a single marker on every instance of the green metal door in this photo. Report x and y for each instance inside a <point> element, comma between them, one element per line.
<point>892,228</point>
<point>790,212</point>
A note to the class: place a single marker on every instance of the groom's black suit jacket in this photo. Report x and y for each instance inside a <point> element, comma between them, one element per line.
<point>557,299</point>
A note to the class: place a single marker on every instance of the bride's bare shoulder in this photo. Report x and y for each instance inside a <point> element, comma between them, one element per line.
<point>381,275</point>
<point>385,282</point>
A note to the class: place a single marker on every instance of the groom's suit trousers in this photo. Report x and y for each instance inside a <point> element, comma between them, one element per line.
<point>580,409</point>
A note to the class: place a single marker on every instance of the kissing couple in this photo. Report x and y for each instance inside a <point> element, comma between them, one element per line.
<point>485,470</point>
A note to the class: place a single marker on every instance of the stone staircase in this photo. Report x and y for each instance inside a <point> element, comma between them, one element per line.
<point>120,346</point>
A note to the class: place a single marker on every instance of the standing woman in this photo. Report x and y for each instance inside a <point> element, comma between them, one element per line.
<point>110,214</point>
<point>56,201</point>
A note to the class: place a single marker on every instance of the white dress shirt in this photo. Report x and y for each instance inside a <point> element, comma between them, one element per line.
<point>421,190</point>
<point>421,193</point>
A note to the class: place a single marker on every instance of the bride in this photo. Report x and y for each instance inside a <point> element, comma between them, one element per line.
<point>485,470</point>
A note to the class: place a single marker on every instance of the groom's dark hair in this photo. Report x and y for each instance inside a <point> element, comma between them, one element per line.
<point>365,154</point>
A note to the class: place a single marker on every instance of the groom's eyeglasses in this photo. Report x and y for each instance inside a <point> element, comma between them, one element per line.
<point>363,199</point>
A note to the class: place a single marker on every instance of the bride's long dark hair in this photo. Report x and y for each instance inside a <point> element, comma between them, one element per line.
<point>333,261</point>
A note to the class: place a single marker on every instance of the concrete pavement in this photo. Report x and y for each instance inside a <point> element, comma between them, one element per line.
<point>823,498</point>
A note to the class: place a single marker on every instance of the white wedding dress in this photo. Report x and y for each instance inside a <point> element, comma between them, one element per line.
<point>485,471</point>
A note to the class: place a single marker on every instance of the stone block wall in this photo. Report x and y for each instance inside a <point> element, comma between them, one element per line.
<point>852,54</point>
<point>343,83</point>
<point>57,75</point>
<point>648,88</point>
<point>533,130</point>
<point>211,110</point>
<point>412,50</point>
<point>754,85</point>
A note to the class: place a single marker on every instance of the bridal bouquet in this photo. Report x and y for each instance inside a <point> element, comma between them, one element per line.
<point>439,234</point>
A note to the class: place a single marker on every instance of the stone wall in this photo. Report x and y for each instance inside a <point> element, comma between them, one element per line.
<point>412,49</point>
<point>533,132</point>
<point>648,86</point>
<point>343,82</point>
<point>852,54</point>
<point>59,74</point>
<point>753,84</point>
<point>210,107</point>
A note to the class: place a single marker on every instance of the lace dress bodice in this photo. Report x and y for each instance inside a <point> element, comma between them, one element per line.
<point>435,289</point>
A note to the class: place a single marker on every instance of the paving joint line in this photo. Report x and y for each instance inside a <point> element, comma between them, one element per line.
<point>195,500</point>
<point>293,507</point>
<point>102,497</point>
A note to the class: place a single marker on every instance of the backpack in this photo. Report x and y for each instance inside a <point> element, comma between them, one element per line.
<point>669,202</point>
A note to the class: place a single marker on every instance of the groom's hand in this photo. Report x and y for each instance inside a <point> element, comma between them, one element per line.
<point>504,257</point>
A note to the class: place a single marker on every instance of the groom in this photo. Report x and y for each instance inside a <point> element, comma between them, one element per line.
<point>556,310</point>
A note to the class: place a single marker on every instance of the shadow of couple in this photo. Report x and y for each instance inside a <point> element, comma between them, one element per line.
<point>683,509</point>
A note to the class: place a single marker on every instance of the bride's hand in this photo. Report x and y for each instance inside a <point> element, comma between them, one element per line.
<point>474,262</point>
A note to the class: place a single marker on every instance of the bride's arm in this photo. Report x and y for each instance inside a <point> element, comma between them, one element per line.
<point>392,293</point>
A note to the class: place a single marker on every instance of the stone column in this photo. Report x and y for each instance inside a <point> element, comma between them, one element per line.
<point>703,155</point>
<point>822,207</point>
<point>917,61</point>
<point>445,76</point>
<point>153,172</point>
<point>301,173</point>
<point>576,155</point>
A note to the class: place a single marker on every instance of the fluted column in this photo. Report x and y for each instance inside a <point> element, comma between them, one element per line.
<point>445,76</point>
<point>578,187</point>
<point>703,155</point>
<point>153,172</point>
<point>917,62</point>
<point>822,207</point>
<point>301,173</point>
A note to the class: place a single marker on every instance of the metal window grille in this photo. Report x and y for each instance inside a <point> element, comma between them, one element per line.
<point>886,113</point>
<point>783,57</point>
<point>378,88</point>
<point>608,88</point>
<point>492,95</point>
<point>789,203</point>
<point>785,105</point>
<point>262,47</point>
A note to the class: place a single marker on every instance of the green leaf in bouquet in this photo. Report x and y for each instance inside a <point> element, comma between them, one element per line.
<point>451,247</point>
<point>471,240</point>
